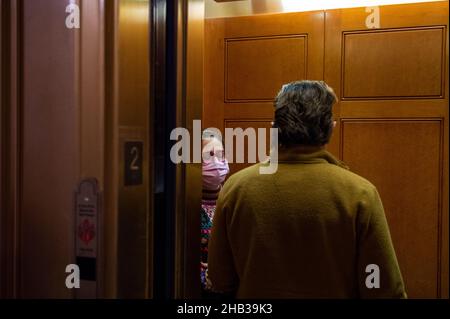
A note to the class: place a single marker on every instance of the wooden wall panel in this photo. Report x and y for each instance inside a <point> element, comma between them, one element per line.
<point>393,63</point>
<point>256,68</point>
<point>403,160</point>
<point>248,59</point>
<point>393,94</point>
<point>393,97</point>
<point>244,125</point>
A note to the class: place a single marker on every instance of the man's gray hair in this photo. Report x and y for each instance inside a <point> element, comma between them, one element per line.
<point>303,113</point>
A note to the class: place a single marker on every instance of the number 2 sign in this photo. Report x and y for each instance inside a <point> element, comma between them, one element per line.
<point>133,163</point>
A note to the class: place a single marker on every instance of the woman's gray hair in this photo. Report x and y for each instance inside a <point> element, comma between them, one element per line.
<point>303,113</point>
<point>212,133</point>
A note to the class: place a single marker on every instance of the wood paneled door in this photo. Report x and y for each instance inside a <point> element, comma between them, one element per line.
<point>392,113</point>
<point>248,59</point>
<point>393,126</point>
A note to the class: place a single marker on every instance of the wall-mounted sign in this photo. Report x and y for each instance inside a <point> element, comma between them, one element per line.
<point>134,152</point>
<point>86,228</point>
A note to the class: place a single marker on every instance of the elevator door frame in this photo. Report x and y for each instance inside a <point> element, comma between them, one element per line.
<point>176,100</point>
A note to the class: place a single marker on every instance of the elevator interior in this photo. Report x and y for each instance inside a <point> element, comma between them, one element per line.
<point>101,102</point>
<point>388,67</point>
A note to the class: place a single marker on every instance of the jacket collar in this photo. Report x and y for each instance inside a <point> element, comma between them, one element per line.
<point>308,155</point>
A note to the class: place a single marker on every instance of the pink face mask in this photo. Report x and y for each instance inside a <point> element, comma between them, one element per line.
<point>214,173</point>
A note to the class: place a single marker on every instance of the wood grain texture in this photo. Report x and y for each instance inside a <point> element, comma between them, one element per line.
<point>248,59</point>
<point>248,146</point>
<point>392,115</point>
<point>393,64</point>
<point>403,161</point>
<point>393,97</point>
<point>250,63</point>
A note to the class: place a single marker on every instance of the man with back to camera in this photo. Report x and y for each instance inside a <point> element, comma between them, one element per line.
<point>311,230</point>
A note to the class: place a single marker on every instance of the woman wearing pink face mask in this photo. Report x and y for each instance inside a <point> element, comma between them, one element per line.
<point>214,170</point>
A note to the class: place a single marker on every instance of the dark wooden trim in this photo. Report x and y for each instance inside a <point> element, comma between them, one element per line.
<point>2,151</point>
<point>163,110</point>
<point>11,75</point>
<point>111,168</point>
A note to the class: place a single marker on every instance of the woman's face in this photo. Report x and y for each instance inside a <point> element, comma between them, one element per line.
<point>212,148</point>
<point>215,167</point>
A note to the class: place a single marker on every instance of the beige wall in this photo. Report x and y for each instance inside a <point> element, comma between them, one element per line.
<point>55,138</point>
<point>74,97</point>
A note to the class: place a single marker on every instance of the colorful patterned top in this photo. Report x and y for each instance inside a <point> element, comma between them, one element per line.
<point>208,209</point>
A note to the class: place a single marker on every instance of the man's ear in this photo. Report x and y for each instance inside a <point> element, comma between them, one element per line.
<point>334,124</point>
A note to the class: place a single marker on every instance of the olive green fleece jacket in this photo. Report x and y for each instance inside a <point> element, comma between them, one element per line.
<point>311,230</point>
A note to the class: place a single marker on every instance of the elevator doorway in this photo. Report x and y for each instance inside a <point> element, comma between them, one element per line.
<point>392,115</point>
